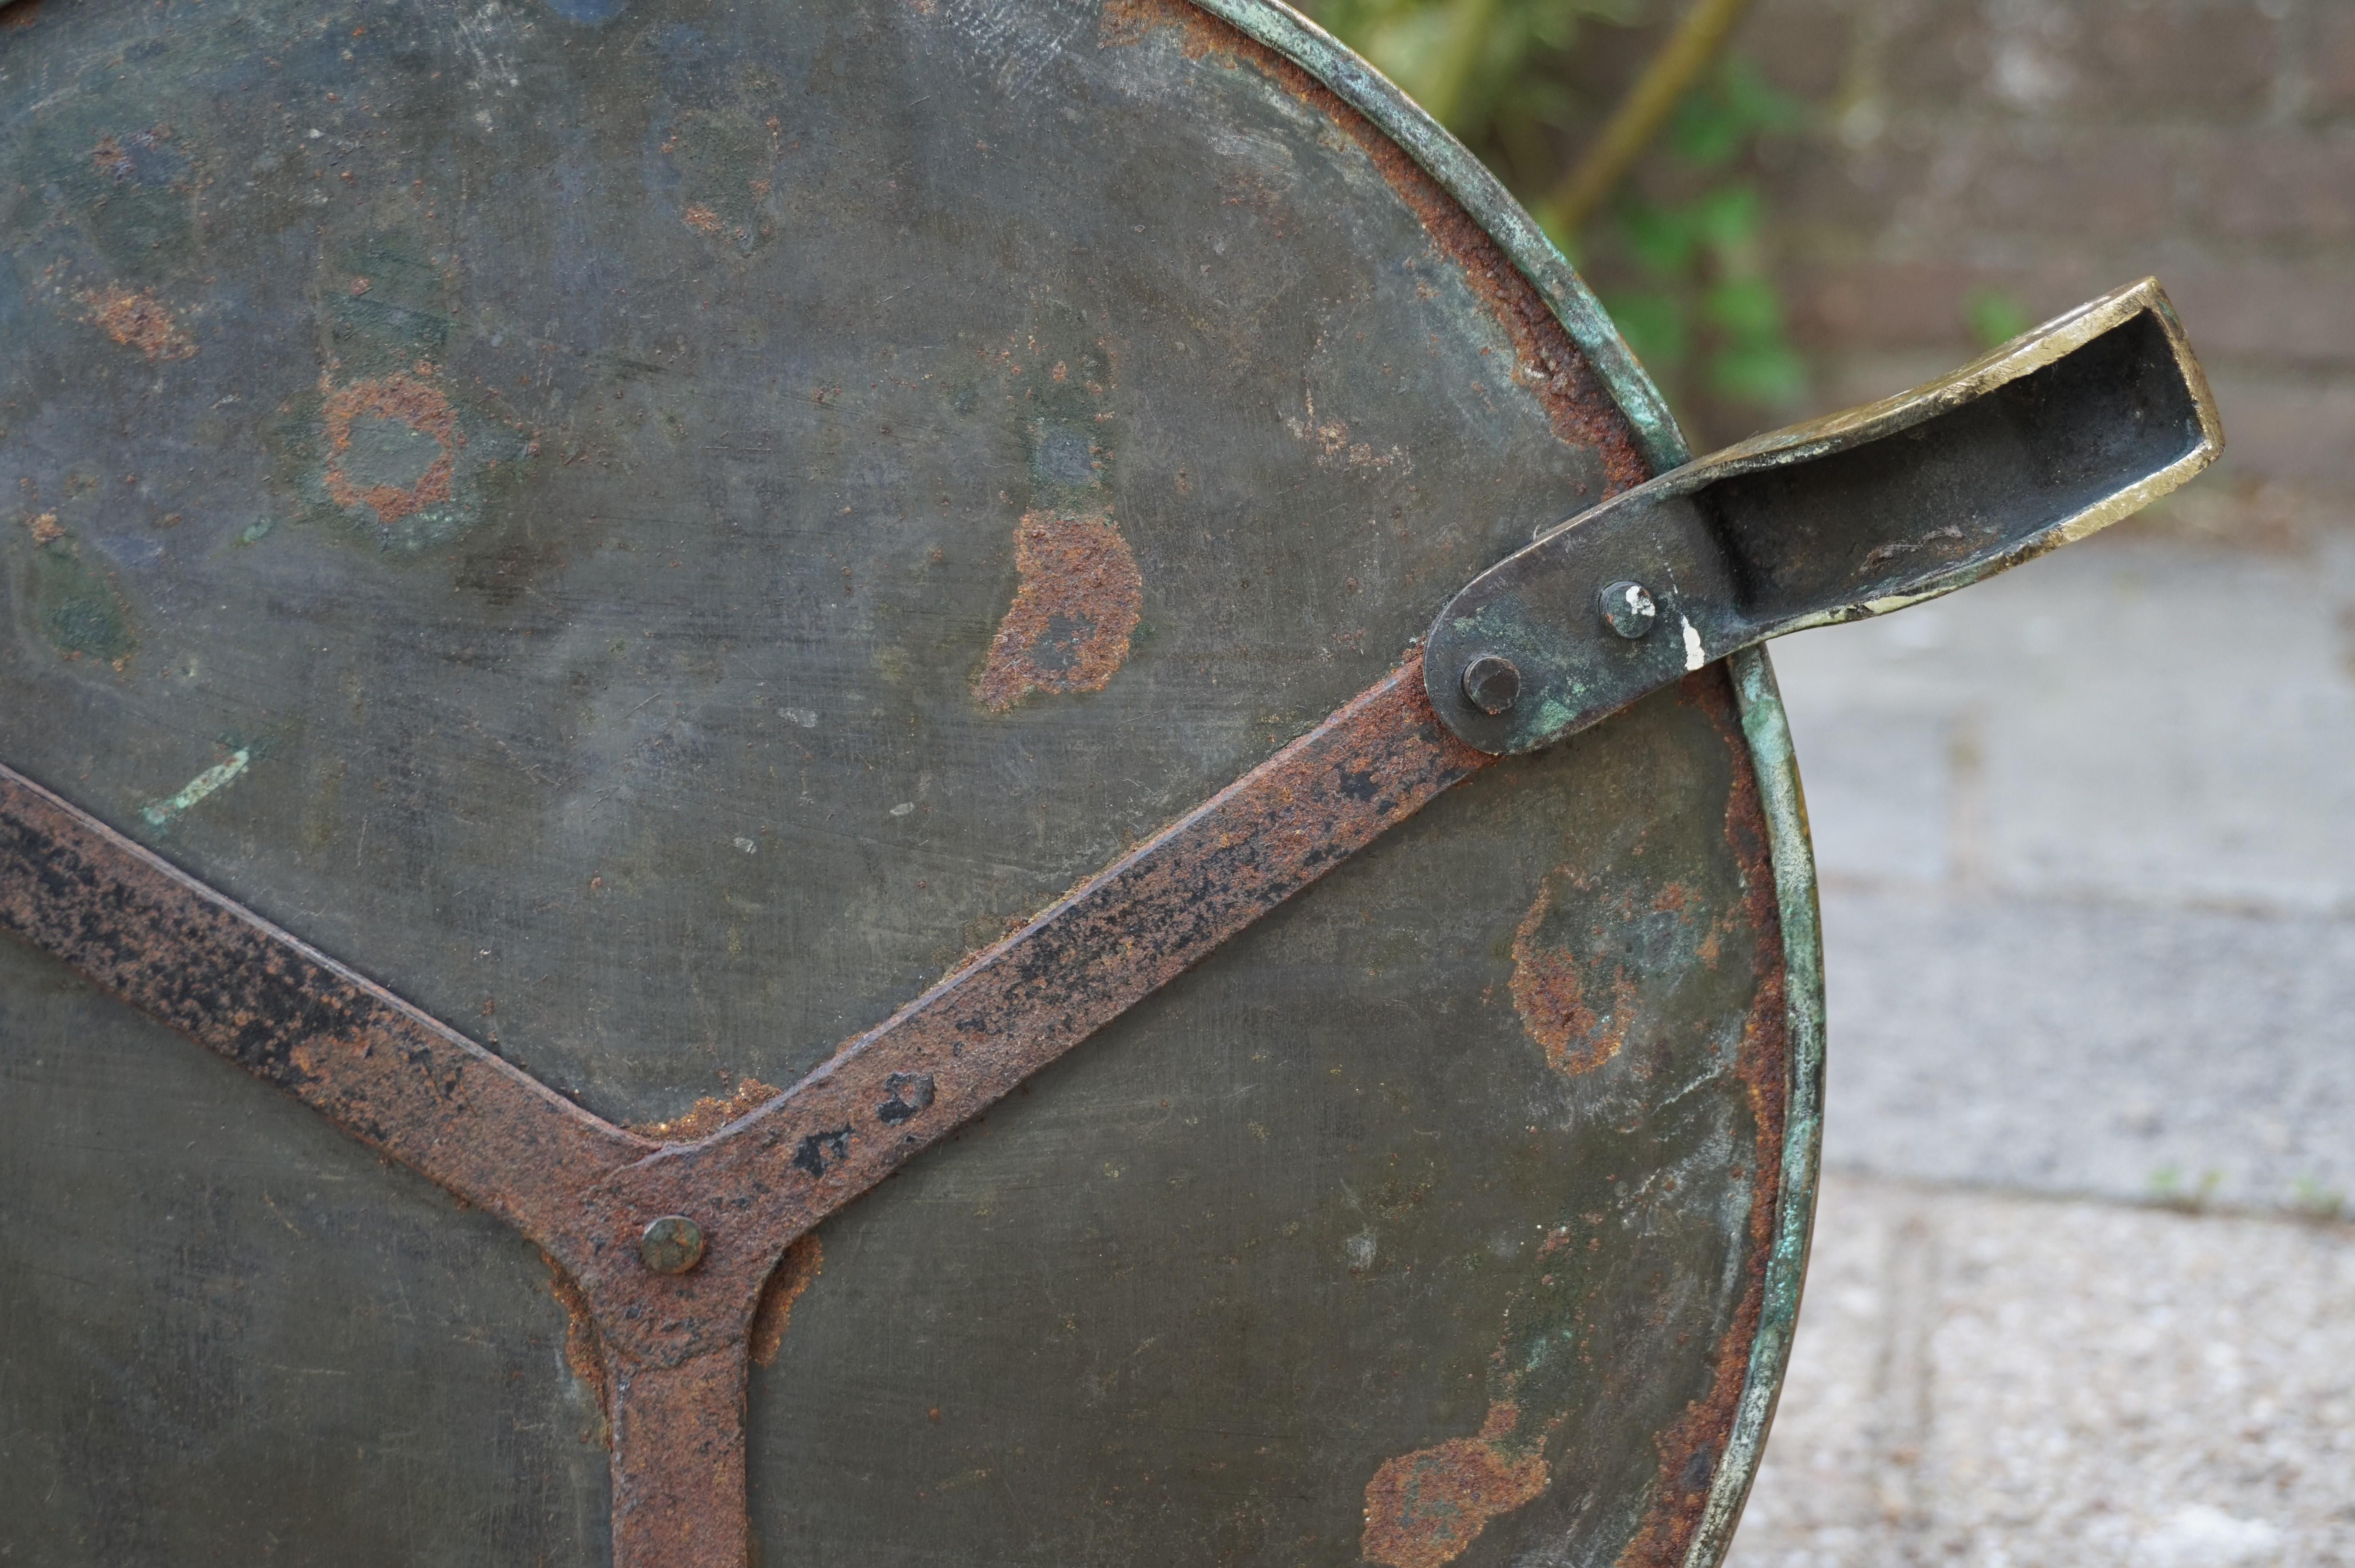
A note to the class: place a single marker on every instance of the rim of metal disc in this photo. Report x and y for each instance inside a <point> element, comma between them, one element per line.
<point>1764,726</point>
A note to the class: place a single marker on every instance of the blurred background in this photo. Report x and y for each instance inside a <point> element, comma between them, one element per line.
<point>2083,1284</point>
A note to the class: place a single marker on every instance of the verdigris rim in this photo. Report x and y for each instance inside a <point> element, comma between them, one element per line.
<point>1764,726</point>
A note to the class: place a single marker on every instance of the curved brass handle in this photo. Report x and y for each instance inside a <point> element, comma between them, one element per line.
<point>2058,433</point>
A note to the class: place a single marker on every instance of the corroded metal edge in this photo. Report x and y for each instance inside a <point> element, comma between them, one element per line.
<point>1766,727</point>
<point>1491,206</point>
<point>1764,724</point>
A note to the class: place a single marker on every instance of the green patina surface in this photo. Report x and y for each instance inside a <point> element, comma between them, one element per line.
<point>77,605</point>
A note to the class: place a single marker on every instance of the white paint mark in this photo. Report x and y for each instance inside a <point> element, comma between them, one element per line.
<point>904,808</point>
<point>805,717</point>
<point>1360,1250</point>
<point>1694,656</point>
<point>747,845</point>
<point>160,814</point>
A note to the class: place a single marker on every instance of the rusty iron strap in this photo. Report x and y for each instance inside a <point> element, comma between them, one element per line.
<point>583,1189</point>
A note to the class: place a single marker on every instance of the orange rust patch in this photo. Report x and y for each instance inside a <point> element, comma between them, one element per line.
<point>703,220</point>
<point>1069,626</point>
<point>137,319</point>
<point>584,1352</point>
<point>795,1273</point>
<point>110,158</point>
<point>20,15</point>
<point>44,527</point>
<point>1127,22</point>
<point>1549,994</point>
<point>1424,1508</point>
<point>406,400</point>
<point>707,1114</point>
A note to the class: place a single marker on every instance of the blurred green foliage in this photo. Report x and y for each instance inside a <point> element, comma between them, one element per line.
<point>1994,317</point>
<point>1688,283</point>
<point>1484,68</point>
<point>1702,304</point>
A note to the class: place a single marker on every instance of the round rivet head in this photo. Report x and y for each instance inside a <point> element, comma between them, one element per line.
<point>1628,610</point>
<point>1491,684</point>
<point>672,1245</point>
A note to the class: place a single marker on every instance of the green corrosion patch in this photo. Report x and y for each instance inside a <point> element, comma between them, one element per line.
<point>76,605</point>
<point>161,814</point>
<point>716,141</point>
<point>1424,1508</point>
<point>1073,612</point>
<point>129,190</point>
<point>393,458</point>
<point>1581,963</point>
<point>722,161</point>
<point>392,446</point>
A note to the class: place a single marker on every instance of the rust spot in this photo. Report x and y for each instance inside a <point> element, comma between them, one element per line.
<point>584,1352</point>
<point>1548,989</point>
<point>707,1114</point>
<point>1424,1508</point>
<point>1578,405</point>
<point>44,527</point>
<point>21,14</point>
<point>1069,626</point>
<point>1330,437</point>
<point>1127,22</point>
<point>704,221</point>
<point>362,472</point>
<point>110,158</point>
<point>137,319</point>
<point>795,1273</point>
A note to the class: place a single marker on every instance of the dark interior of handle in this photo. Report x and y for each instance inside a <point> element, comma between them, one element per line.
<point>1995,471</point>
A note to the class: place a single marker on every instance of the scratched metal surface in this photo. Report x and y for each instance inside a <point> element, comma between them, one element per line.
<point>652,529</point>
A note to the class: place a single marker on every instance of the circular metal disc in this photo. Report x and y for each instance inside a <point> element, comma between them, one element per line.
<point>652,527</point>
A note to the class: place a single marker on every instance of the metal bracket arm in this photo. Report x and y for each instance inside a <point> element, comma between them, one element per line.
<point>2058,433</point>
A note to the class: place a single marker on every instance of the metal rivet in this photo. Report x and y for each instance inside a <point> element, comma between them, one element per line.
<point>1491,684</point>
<point>1628,607</point>
<point>672,1245</point>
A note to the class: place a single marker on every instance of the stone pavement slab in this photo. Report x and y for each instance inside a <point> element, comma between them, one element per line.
<point>2002,1381</point>
<point>2087,839</point>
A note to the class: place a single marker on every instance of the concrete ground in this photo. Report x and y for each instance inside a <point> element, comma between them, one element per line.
<point>2084,1288</point>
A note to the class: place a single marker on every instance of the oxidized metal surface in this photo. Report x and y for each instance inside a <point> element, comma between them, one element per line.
<point>673,1347</point>
<point>2045,440</point>
<point>368,611</point>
